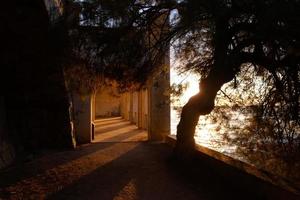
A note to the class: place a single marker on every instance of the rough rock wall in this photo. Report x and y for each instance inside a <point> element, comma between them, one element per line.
<point>7,151</point>
<point>32,81</point>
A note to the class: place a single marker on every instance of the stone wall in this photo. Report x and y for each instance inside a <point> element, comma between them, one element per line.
<point>7,151</point>
<point>134,107</point>
<point>82,108</point>
<point>108,102</point>
<point>32,82</point>
<point>159,103</point>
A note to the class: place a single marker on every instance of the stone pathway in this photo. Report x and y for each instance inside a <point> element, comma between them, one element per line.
<point>127,169</point>
<point>116,129</point>
<point>132,170</point>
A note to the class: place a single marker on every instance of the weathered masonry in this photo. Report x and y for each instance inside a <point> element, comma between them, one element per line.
<point>36,110</point>
<point>147,108</point>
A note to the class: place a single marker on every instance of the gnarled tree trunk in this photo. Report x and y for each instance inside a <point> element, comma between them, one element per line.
<point>223,71</point>
<point>200,104</point>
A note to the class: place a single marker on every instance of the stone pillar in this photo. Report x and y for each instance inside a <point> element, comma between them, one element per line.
<point>159,104</point>
<point>145,109</point>
<point>93,107</point>
<point>135,107</point>
<point>140,109</point>
<point>93,114</point>
<point>131,107</point>
<point>125,105</point>
<point>83,117</point>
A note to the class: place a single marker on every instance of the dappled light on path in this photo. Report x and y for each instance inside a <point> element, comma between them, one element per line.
<point>68,169</point>
<point>60,176</point>
<point>118,130</point>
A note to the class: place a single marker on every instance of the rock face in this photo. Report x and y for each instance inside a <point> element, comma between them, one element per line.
<point>34,94</point>
<point>7,154</point>
<point>7,151</point>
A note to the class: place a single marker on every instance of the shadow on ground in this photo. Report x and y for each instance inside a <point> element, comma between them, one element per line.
<point>123,167</point>
<point>127,170</point>
<point>146,172</point>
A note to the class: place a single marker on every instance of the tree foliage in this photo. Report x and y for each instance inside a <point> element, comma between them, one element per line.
<point>126,40</point>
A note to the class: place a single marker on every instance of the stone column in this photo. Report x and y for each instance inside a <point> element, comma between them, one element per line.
<point>125,105</point>
<point>93,114</point>
<point>131,107</point>
<point>135,107</point>
<point>140,109</point>
<point>83,117</point>
<point>159,104</point>
<point>145,109</point>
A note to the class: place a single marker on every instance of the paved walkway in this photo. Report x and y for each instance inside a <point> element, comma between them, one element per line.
<point>116,169</point>
<point>104,171</point>
<point>116,129</point>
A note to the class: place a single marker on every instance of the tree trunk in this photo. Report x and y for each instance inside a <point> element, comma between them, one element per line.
<point>223,71</point>
<point>200,104</point>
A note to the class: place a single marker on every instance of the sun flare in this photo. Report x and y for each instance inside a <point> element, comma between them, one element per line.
<point>192,82</point>
<point>192,89</point>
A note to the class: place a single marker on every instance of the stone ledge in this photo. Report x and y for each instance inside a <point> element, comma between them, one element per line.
<point>270,182</point>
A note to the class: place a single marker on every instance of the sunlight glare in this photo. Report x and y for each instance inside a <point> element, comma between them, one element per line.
<point>192,89</point>
<point>192,81</point>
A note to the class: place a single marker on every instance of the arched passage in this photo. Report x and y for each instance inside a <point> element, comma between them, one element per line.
<point>119,116</point>
<point>146,109</point>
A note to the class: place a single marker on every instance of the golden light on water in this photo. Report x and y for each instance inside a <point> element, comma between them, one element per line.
<point>205,134</point>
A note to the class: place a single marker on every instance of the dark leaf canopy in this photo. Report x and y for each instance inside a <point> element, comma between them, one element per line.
<point>126,40</point>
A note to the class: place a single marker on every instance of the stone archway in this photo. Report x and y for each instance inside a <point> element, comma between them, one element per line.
<point>148,108</point>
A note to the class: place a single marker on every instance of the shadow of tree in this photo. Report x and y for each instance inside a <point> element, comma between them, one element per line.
<point>54,159</point>
<point>124,136</point>
<point>141,173</point>
<point>146,172</point>
<point>112,127</point>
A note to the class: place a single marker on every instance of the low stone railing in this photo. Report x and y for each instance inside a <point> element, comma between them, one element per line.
<point>273,187</point>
